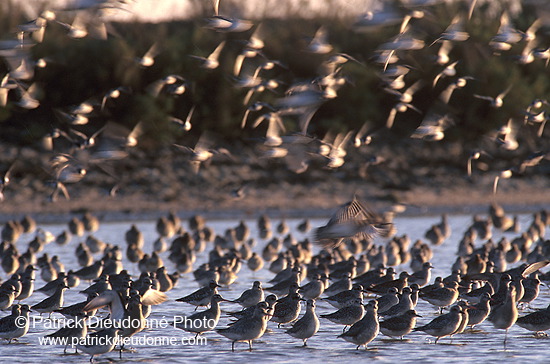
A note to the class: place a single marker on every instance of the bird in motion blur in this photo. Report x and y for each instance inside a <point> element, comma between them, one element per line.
<point>352,220</point>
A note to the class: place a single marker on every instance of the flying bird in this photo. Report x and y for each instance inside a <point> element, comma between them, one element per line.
<point>5,180</point>
<point>353,219</point>
<point>184,125</point>
<point>399,107</point>
<point>202,152</point>
<point>227,25</point>
<point>274,128</point>
<point>446,94</point>
<point>319,44</point>
<point>496,101</point>
<point>433,127</point>
<point>148,59</point>
<point>212,61</point>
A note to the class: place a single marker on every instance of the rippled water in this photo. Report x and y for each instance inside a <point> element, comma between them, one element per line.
<point>484,344</point>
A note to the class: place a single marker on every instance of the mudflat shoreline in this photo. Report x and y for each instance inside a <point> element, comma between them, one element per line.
<point>149,185</point>
<point>289,201</point>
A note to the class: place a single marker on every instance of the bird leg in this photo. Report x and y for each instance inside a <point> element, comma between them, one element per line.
<point>505,337</point>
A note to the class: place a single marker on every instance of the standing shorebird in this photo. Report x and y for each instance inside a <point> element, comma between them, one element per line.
<point>52,303</point>
<point>251,297</point>
<point>399,326</point>
<point>7,296</point>
<point>99,342</point>
<point>271,301</point>
<point>13,326</point>
<point>388,300</point>
<point>208,319</point>
<point>287,310</point>
<point>537,321</point>
<point>503,316</point>
<point>405,304</point>
<point>347,315</point>
<point>27,283</point>
<point>442,297</point>
<point>479,312</point>
<point>443,325</point>
<point>78,329</point>
<point>366,329</point>
<point>343,298</point>
<point>248,328</point>
<point>202,296</point>
<point>77,309</point>
<point>344,284</point>
<point>313,289</point>
<point>255,262</point>
<point>307,326</point>
<point>423,276</point>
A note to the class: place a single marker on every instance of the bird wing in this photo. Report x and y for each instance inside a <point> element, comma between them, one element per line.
<point>533,267</point>
<point>152,52</point>
<point>391,118</point>
<point>414,87</point>
<point>131,139</point>
<point>100,301</point>
<point>505,92</point>
<point>153,297</point>
<point>205,142</point>
<point>445,48</point>
<point>216,54</point>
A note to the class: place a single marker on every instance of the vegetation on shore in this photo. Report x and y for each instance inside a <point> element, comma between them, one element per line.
<point>86,69</point>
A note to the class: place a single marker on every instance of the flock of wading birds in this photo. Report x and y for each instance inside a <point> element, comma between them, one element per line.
<point>348,269</point>
<point>75,153</point>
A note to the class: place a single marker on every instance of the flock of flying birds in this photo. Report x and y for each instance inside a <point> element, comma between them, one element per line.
<point>80,153</point>
<point>490,280</point>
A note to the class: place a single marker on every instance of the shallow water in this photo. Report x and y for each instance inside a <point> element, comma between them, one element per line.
<point>484,344</point>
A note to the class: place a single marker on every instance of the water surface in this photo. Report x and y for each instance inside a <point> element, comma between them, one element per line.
<point>485,343</point>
